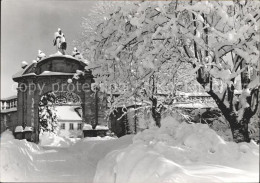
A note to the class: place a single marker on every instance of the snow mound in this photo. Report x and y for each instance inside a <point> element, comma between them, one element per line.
<point>175,133</point>
<point>99,138</point>
<point>87,126</point>
<point>19,129</point>
<point>28,129</point>
<point>7,135</point>
<point>23,161</point>
<point>24,64</point>
<point>17,158</point>
<point>101,127</point>
<point>95,148</point>
<point>180,152</point>
<point>58,53</point>
<point>51,139</point>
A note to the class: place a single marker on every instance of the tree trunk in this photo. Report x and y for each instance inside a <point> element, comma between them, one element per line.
<point>95,122</point>
<point>239,130</point>
<point>155,114</point>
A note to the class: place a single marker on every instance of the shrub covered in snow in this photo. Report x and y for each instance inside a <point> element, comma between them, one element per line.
<point>47,113</point>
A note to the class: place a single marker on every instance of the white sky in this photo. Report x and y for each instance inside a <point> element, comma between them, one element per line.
<point>29,25</point>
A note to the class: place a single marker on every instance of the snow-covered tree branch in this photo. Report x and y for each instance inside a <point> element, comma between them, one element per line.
<point>219,39</point>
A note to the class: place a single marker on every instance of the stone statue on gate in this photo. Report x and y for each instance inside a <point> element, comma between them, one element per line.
<point>59,41</point>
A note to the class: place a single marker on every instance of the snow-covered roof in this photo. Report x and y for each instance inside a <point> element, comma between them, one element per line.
<point>13,109</point>
<point>194,105</point>
<point>19,73</point>
<point>9,98</point>
<point>129,104</point>
<point>30,70</point>
<point>67,113</point>
<point>50,73</point>
<point>29,74</point>
<point>195,94</point>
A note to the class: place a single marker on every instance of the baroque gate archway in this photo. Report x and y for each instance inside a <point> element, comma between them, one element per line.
<point>51,75</point>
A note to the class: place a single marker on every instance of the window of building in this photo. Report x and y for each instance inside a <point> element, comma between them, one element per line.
<point>79,126</point>
<point>62,126</point>
<point>71,126</point>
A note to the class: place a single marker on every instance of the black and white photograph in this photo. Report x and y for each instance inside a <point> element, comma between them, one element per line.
<point>130,91</point>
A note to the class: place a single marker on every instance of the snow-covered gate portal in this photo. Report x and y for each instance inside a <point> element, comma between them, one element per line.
<point>54,74</point>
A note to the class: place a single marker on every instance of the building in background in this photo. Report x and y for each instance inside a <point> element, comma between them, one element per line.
<point>69,117</point>
<point>69,121</point>
<point>8,113</point>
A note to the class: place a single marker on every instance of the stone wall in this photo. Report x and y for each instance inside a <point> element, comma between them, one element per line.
<point>8,120</point>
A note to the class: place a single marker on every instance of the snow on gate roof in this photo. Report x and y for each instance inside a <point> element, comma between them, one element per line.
<point>31,69</point>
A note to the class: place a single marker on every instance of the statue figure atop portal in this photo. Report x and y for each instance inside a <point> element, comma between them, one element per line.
<point>59,41</point>
<point>75,52</point>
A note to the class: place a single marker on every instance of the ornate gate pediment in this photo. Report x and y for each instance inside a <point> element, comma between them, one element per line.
<point>55,65</point>
<point>66,98</point>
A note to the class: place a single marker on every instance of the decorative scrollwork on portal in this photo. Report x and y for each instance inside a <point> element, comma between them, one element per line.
<point>60,98</point>
<point>66,98</point>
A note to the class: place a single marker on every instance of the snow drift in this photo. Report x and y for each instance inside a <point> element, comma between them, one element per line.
<point>17,158</point>
<point>176,152</point>
<point>180,152</point>
<point>51,139</point>
<point>55,159</point>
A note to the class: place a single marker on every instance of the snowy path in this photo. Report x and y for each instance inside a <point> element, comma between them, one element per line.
<point>22,161</point>
<point>60,165</point>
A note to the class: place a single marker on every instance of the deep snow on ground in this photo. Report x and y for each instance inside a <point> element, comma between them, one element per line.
<point>177,152</point>
<point>54,160</point>
<point>52,140</point>
<point>180,152</point>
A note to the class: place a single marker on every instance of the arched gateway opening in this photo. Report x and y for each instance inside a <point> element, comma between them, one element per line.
<point>49,75</point>
<point>61,112</point>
